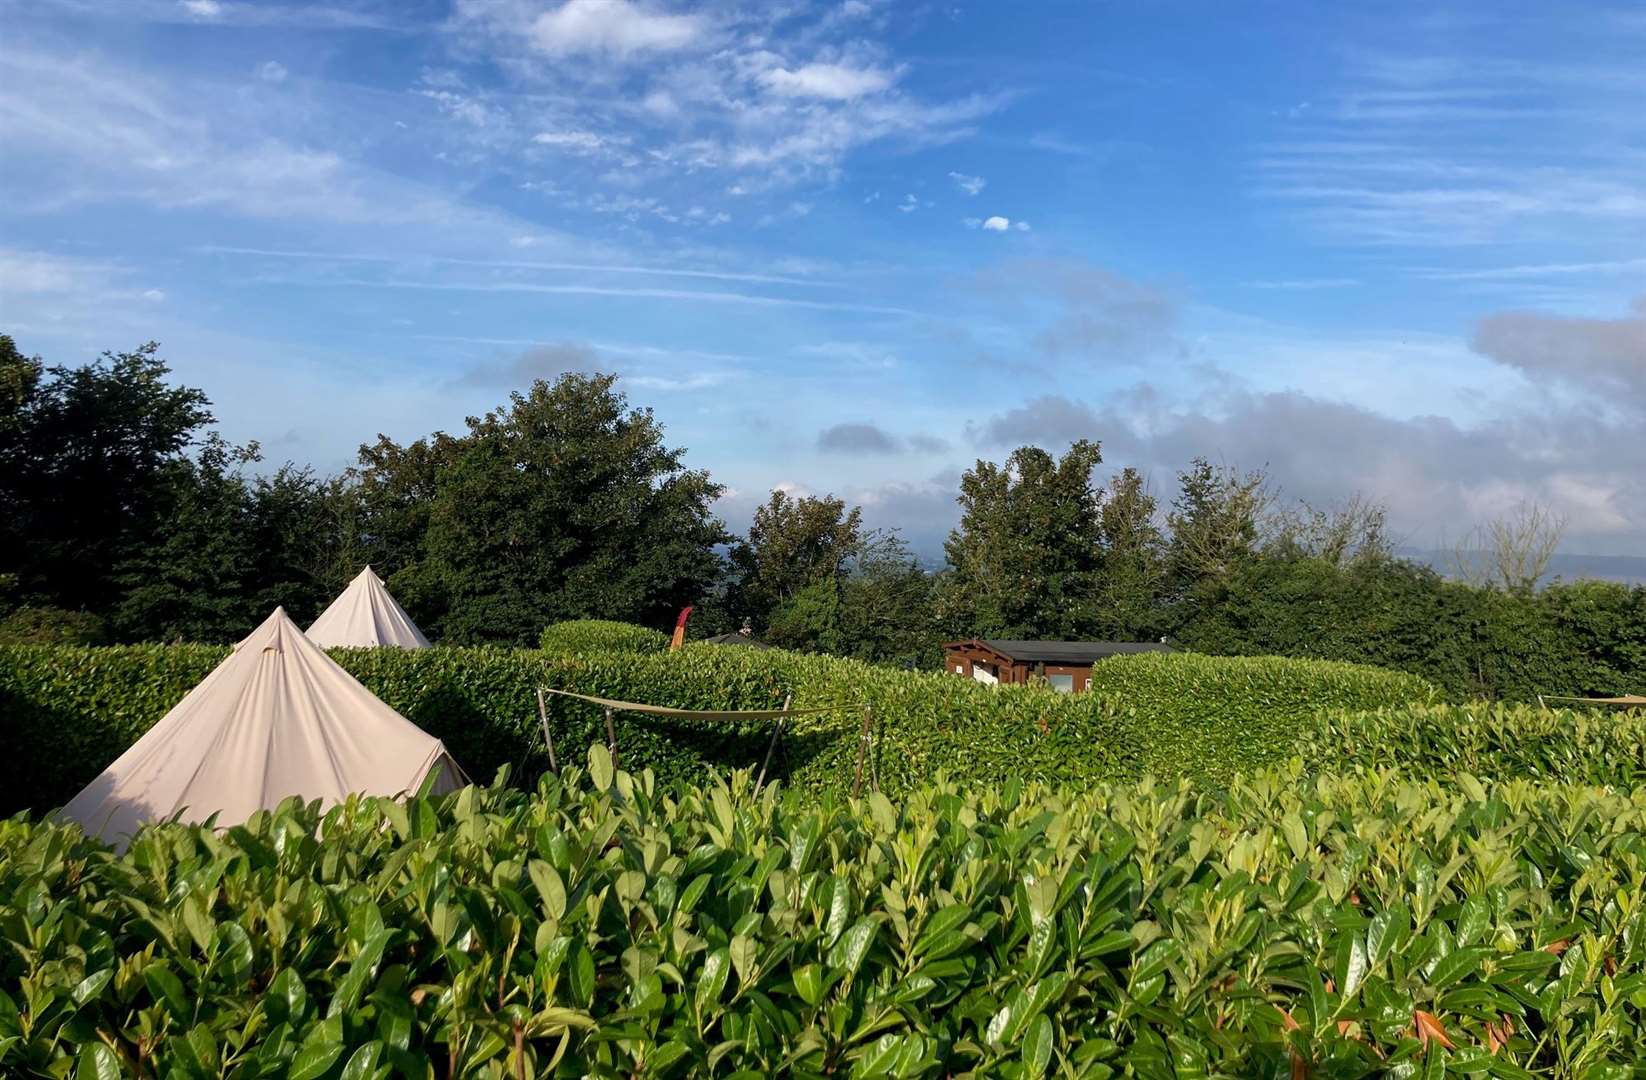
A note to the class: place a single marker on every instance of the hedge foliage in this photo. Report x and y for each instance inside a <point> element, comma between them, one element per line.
<point>605,927</point>
<point>67,712</point>
<point>600,635</point>
<point>1581,637</point>
<point>1497,741</point>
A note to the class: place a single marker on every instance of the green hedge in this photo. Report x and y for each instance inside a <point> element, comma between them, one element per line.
<point>69,711</point>
<point>1498,741</point>
<point>600,635</point>
<point>1341,928</point>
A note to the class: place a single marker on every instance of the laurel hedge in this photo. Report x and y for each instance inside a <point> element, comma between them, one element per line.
<point>600,635</point>
<point>608,926</point>
<point>1493,741</point>
<point>66,712</point>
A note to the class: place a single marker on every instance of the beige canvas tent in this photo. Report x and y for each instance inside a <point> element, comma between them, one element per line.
<point>277,718</point>
<point>364,616</point>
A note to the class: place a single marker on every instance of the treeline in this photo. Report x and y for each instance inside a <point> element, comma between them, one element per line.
<point>125,517</point>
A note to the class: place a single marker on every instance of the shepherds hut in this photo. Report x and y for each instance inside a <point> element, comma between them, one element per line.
<point>1066,665</point>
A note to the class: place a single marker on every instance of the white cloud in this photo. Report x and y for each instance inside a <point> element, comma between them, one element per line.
<point>1021,226</point>
<point>661,103</point>
<point>612,27</point>
<point>202,9</point>
<point>586,142</point>
<point>772,94</point>
<point>155,295</point>
<point>971,185</point>
<point>272,71</point>
<point>909,204</point>
<point>34,273</point>
<point>854,9</point>
<point>996,224</point>
<point>834,82</point>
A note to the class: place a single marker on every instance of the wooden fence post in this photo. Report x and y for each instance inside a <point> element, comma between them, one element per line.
<point>543,714</point>
<point>761,779</point>
<point>611,738</point>
<point>862,752</point>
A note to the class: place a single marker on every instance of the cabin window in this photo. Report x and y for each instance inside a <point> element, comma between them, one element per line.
<point>1063,684</point>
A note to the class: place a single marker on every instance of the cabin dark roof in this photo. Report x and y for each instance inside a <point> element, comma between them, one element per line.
<point>1064,652</point>
<point>735,639</point>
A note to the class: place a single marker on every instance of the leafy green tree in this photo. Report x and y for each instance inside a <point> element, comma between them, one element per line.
<point>563,504</point>
<point>888,605</point>
<point>1216,524</point>
<point>792,544</point>
<point>811,620</point>
<point>86,457</point>
<point>191,581</point>
<point>1133,567</point>
<point>1026,552</point>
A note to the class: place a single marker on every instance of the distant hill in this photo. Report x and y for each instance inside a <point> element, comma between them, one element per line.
<point>1629,569</point>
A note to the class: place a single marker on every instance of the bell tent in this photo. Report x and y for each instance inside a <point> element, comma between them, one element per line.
<point>365,616</point>
<point>277,718</point>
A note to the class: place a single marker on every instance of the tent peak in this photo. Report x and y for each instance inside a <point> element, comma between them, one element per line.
<point>364,615</point>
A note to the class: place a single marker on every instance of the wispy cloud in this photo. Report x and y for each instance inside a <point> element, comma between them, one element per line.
<point>103,132</point>
<point>520,264</point>
<point>1433,151</point>
<point>971,185</point>
<point>683,295</point>
<point>1531,271</point>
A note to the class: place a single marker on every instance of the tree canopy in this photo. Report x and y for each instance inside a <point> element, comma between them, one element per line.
<point>124,516</point>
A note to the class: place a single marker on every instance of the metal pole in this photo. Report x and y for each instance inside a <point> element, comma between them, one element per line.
<point>761,779</point>
<point>862,751</point>
<point>543,715</point>
<point>611,738</point>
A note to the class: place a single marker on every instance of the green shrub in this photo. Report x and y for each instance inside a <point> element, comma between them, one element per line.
<point>1353,927</point>
<point>1504,742</point>
<point>71,711</point>
<point>600,635</point>
<point>1210,716</point>
<point>51,626</point>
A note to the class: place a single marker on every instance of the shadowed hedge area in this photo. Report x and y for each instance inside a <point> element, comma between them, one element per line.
<point>67,711</point>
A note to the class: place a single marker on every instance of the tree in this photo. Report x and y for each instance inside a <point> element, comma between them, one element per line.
<point>1511,552</point>
<point>562,504</point>
<point>1027,548</point>
<point>793,543</point>
<point>191,581</point>
<point>887,612</point>
<point>86,457</point>
<point>1133,564</point>
<point>1216,523</point>
<point>1356,530</point>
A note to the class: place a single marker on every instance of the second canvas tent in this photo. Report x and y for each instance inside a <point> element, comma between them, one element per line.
<point>366,616</point>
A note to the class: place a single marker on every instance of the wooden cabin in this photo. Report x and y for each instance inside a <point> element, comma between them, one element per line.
<point>1066,665</point>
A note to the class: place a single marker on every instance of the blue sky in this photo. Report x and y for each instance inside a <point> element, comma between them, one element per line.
<point>851,247</point>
